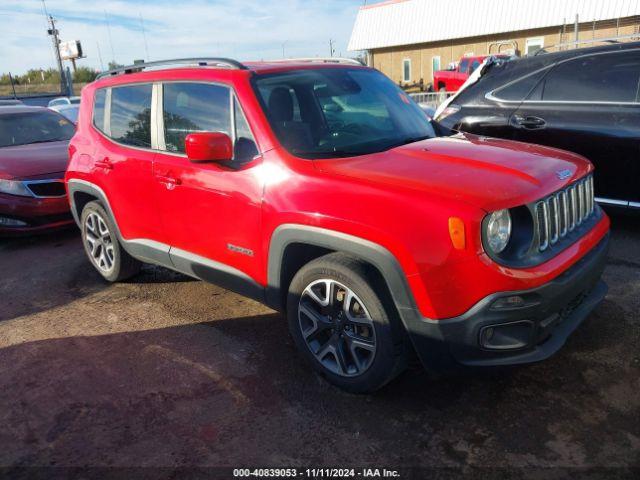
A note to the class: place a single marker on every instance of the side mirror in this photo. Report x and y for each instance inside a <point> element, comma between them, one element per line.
<point>208,147</point>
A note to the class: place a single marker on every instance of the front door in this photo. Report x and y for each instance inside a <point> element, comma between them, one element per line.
<point>589,106</point>
<point>211,212</point>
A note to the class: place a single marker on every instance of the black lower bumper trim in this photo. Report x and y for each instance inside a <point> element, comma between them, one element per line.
<point>531,331</point>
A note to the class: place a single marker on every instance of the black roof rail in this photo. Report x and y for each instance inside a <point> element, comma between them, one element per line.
<point>612,40</point>
<point>341,60</point>
<point>200,62</point>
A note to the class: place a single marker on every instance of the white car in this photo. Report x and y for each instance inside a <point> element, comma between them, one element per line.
<point>64,101</point>
<point>70,111</point>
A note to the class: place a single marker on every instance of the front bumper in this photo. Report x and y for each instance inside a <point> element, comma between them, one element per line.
<point>33,215</point>
<point>530,331</point>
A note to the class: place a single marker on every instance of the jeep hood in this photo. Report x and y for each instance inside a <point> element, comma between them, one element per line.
<point>24,161</point>
<point>485,172</point>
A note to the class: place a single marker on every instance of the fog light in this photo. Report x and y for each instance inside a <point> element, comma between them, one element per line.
<point>514,301</point>
<point>11,222</point>
<point>506,336</point>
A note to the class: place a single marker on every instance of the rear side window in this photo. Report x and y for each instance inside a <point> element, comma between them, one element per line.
<point>98,109</point>
<point>130,120</point>
<point>597,78</point>
<point>194,107</point>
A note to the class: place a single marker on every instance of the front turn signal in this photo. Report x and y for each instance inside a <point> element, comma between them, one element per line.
<point>456,231</point>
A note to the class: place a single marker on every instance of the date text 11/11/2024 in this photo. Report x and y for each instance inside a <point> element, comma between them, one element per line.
<point>315,473</point>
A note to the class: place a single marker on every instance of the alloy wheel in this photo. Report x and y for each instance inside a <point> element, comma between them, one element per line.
<point>337,327</point>
<point>99,242</point>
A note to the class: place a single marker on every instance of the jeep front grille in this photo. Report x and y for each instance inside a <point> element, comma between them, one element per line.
<point>562,212</point>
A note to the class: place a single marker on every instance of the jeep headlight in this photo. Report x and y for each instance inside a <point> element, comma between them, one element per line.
<point>498,230</point>
<point>13,187</point>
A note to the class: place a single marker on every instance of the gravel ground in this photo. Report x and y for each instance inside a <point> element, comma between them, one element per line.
<point>165,371</point>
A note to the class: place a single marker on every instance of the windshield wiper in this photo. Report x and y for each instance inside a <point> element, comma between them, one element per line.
<point>326,153</point>
<point>408,140</point>
<point>47,141</point>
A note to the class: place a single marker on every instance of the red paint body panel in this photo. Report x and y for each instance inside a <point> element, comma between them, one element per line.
<point>25,161</point>
<point>400,199</point>
<point>42,214</point>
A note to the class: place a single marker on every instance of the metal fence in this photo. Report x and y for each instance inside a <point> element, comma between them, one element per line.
<point>431,99</point>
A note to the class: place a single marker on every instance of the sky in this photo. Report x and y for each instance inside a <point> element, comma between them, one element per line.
<point>111,29</point>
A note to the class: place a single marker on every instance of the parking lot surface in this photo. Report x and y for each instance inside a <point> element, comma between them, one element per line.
<point>167,371</point>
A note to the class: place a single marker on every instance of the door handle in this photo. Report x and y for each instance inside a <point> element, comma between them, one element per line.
<point>530,123</point>
<point>104,163</point>
<point>169,181</point>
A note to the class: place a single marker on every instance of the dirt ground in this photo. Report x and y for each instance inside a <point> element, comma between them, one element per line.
<point>165,371</point>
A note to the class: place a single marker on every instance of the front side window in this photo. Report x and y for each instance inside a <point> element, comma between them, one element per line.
<point>475,64</point>
<point>343,112</point>
<point>464,65</point>
<point>597,78</point>
<point>520,89</point>
<point>130,120</point>
<point>194,107</point>
<point>244,148</point>
<point>34,127</point>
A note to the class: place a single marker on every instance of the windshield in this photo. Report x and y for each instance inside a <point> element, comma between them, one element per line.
<point>339,112</point>
<point>33,127</point>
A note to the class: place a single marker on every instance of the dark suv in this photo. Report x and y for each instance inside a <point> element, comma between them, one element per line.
<point>583,100</point>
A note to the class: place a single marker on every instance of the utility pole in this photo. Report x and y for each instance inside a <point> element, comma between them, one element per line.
<point>53,32</point>
<point>331,49</point>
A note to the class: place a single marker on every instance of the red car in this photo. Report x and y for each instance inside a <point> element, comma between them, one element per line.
<point>33,158</point>
<point>452,80</point>
<point>321,189</point>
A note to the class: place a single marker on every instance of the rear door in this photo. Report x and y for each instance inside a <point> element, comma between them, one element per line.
<point>589,105</point>
<point>123,158</point>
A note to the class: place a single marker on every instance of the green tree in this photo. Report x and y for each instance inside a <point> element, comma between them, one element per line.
<point>84,75</point>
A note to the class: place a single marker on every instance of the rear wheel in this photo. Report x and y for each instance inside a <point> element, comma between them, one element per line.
<point>102,246</point>
<point>345,325</point>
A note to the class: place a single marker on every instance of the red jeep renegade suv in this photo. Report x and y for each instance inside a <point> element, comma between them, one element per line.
<point>319,188</point>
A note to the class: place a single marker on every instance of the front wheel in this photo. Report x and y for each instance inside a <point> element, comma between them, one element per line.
<point>102,246</point>
<point>345,324</point>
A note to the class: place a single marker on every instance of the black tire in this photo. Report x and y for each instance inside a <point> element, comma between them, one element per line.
<point>391,347</point>
<point>121,264</point>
